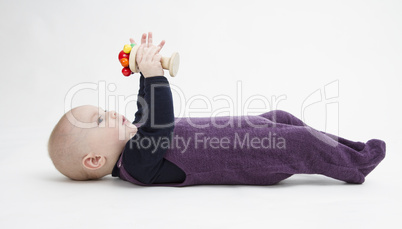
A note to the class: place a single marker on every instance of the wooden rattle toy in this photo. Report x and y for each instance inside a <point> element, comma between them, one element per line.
<point>127,58</point>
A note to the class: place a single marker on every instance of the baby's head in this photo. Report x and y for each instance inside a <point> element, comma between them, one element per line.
<point>87,141</point>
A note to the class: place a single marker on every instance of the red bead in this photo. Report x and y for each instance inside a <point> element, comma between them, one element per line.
<point>122,55</point>
<point>124,62</point>
<point>126,71</point>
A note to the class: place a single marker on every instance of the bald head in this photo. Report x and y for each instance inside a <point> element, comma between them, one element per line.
<point>67,145</point>
<point>87,142</point>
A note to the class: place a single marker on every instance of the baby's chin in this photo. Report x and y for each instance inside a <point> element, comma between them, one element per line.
<point>131,130</point>
<point>131,127</point>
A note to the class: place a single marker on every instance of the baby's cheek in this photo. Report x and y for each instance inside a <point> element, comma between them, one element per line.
<point>121,133</point>
<point>112,132</point>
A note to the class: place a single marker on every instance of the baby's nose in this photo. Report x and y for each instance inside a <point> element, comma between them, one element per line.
<point>113,114</point>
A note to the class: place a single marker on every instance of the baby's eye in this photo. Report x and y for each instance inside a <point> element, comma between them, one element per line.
<point>100,119</point>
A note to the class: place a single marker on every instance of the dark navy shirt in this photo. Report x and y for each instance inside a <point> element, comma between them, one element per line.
<point>155,120</point>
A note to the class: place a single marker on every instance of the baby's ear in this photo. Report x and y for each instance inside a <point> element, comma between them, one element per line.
<point>93,162</point>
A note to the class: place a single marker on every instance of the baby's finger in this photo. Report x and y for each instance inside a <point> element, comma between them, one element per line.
<point>149,39</point>
<point>144,38</point>
<point>132,41</point>
<point>151,53</point>
<point>155,51</point>
<point>162,44</point>
<point>140,53</point>
<point>157,58</point>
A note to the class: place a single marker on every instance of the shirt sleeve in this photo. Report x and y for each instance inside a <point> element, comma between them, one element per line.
<point>144,154</point>
<point>140,100</point>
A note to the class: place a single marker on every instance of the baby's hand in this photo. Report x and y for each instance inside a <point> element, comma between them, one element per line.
<point>148,57</point>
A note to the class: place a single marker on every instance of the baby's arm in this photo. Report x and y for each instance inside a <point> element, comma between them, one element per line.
<point>157,94</point>
<point>140,98</point>
<point>157,124</point>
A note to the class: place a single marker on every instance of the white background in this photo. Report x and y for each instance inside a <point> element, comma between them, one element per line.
<point>269,48</point>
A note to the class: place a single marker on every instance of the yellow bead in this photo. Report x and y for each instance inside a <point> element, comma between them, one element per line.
<point>127,48</point>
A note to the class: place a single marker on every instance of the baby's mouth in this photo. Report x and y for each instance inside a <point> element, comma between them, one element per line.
<point>123,120</point>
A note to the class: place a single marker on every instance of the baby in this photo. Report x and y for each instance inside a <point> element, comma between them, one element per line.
<point>159,149</point>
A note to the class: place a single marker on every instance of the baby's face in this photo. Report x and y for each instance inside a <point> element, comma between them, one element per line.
<point>104,130</point>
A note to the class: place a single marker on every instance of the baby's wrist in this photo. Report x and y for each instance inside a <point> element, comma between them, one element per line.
<point>153,74</point>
